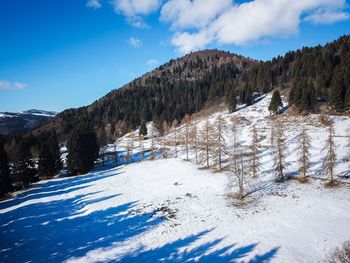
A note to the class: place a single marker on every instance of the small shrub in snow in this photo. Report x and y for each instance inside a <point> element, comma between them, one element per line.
<point>340,254</point>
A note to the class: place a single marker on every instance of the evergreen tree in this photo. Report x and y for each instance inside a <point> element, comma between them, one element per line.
<point>82,149</point>
<point>231,100</point>
<point>276,102</point>
<point>337,90</point>
<point>23,168</point>
<point>5,180</point>
<point>249,97</point>
<point>49,162</point>
<point>143,129</point>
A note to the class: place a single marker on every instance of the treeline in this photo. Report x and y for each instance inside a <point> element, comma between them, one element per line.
<point>313,76</point>
<point>25,160</point>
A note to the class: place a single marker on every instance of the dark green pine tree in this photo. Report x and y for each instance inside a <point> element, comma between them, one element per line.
<point>55,152</point>
<point>231,100</point>
<point>308,101</point>
<point>276,101</point>
<point>347,99</point>
<point>82,149</point>
<point>23,167</point>
<point>143,129</point>
<point>248,97</point>
<point>5,180</point>
<point>49,156</point>
<point>337,90</point>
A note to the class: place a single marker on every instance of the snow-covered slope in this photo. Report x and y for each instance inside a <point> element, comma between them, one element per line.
<point>168,210</point>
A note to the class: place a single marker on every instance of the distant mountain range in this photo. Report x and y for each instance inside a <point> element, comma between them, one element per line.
<point>19,123</point>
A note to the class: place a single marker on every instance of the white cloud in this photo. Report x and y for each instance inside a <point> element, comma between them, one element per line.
<point>247,22</point>
<point>135,42</point>
<point>327,17</point>
<point>193,14</point>
<point>95,4</point>
<point>152,62</point>
<point>136,7</point>
<point>7,85</point>
<point>134,10</point>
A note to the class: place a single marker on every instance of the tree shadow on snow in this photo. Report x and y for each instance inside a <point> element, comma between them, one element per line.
<point>54,231</point>
<point>57,230</point>
<point>54,187</point>
<point>179,251</point>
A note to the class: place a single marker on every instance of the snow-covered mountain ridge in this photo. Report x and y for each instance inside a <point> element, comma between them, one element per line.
<point>18,123</point>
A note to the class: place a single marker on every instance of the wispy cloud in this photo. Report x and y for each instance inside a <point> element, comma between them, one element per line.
<point>7,85</point>
<point>95,4</point>
<point>135,10</point>
<point>327,17</point>
<point>152,62</point>
<point>135,42</point>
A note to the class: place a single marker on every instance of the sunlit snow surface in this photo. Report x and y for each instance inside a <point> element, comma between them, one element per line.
<point>171,211</point>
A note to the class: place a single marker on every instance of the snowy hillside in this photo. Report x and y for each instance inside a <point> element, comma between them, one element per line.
<point>171,210</point>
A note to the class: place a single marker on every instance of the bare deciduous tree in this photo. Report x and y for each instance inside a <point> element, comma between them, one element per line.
<point>219,142</point>
<point>174,128</point>
<point>129,148</point>
<point>205,147</point>
<point>255,152</point>
<point>235,141</point>
<point>186,121</point>
<point>304,151</point>
<point>164,139</point>
<point>154,141</point>
<point>194,136</point>
<point>238,171</point>
<point>330,159</point>
<point>279,153</point>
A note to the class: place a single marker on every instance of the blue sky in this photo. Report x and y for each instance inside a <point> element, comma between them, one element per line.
<point>61,54</point>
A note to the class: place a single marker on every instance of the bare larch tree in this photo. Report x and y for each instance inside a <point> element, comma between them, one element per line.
<point>235,141</point>
<point>219,142</point>
<point>194,138</point>
<point>279,152</point>
<point>255,150</point>
<point>205,147</point>
<point>304,153</point>
<point>174,128</point>
<point>330,159</point>
<point>186,121</point>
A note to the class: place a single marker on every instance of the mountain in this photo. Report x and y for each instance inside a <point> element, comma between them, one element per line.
<point>22,122</point>
<point>313,77</point>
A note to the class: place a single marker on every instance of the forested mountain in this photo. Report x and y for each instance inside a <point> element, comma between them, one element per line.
<point>20,123</point>
<point>169,92</point>
<point>184,86</point>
